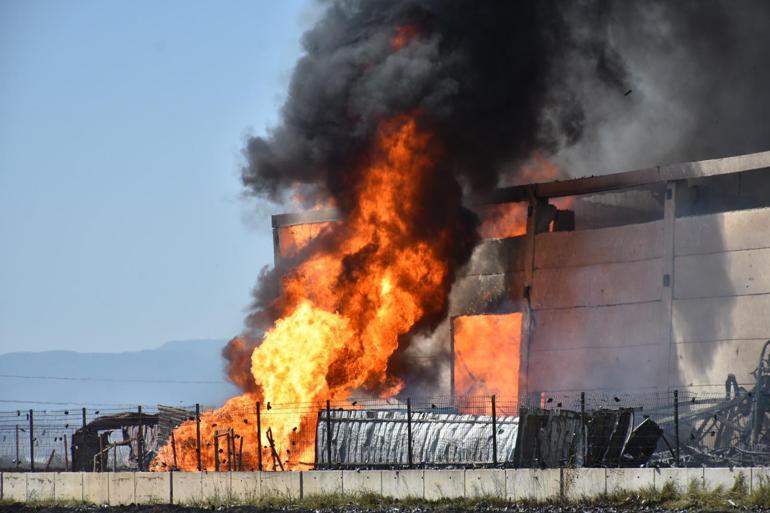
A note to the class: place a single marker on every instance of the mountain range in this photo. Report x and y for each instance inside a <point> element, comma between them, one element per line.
<point>177,373</point>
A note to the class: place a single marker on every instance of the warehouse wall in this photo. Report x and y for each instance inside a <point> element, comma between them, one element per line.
<point>596,308</point>
<point>599,309</point>
<point>721,307</point>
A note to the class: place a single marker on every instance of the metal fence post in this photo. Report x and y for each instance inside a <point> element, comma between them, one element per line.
<point>66,454</point>
<point>328,434</point>
<point>140,442</point>
<point>676,425</point>
<point>216,450</point>
<point>583,438</point>
<point>198,435</point>
<point>173,450</point>
<point>259,437</point>
<point>494,431</point>
<point>18,460</point>
<point>409,431</point>
<point>31,442</point>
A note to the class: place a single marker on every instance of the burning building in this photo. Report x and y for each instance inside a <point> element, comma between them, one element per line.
<point>418,272</point>
<point>649,284</point>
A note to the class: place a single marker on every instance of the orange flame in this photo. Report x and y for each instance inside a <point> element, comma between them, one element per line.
<point>503,220</point>
<point>486,355</point>
<point>345,308</point>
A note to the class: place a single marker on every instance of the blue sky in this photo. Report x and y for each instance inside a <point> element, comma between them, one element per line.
<point>122,220</point>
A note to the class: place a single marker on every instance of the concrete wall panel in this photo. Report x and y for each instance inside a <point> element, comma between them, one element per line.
<point>215,487</point>
<point>709,363</point>
<point>617,244</point>
<point>609,326</point>
<point>760,477</point>
<point>188,488</point>
<point>358,481</point>
<point>40,486</point>
<point>735,273</point>
<point>485,483</point>
<point>244,486</point>
<point>68,486</point>
<point>591,368</point>
<point>122,488</point>
<point>402,484</point>
<point>532,484</point>
<point>281,484</point>
<point>680,477</point>
<point>572,484</point>
<point>729,231</point>
<point>629,479</point>
<point>722,318</point>
<point>321,482</point>
<point>725,478</point>
<point>152,487</point>
<point>444,484</point>
<point>96,488</point>
<point>583,483</point>
<point>596,285</point>
<point>14,486</point>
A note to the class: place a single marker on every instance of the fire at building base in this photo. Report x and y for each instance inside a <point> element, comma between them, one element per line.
<point>617,298</point>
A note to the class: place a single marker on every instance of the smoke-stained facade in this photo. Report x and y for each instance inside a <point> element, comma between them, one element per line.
<point>658,284</point>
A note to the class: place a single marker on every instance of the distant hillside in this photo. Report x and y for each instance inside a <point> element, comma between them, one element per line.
<point>130,373</point>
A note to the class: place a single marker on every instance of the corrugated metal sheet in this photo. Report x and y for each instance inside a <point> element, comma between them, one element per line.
<point>362,438</point>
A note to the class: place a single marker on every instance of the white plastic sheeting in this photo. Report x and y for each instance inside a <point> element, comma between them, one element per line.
<point>362,438</point>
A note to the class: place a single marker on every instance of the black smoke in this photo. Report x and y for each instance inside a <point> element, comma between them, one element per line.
<point>480,74</point>
<point>476,75</point>
<point>596,85</point>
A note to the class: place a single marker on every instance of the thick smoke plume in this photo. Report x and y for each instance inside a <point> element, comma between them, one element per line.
<point>479,74</point>
<point>597,85</point>
<point>697,77</point>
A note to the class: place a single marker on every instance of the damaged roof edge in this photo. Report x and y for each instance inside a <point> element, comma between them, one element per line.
<point>584,185</point>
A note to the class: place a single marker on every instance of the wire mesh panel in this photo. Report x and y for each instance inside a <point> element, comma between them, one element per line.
<point>700,426</point>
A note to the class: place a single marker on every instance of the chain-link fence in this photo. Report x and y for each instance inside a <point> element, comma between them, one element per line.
<point>692,426</point>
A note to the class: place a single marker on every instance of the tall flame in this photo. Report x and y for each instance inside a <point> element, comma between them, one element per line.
<point>345,307</point>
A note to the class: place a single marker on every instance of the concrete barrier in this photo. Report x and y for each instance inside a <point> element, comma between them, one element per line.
<point>444,484</point>
<point>725,477</point>
<point>629,479</point>
<point>402,484</point>
<point>321,482</point>
<point>484,483</point>
<point>96,488</point>
<point>40,486</point>
<point>187,488</point>
<point>244,487</point>
<point>121,488</point>
<point>68,486</point>
<point>681,478</point>
<point>532,484</point>
<point>14,486</point>
<point>152,487</point>
<point>760,476</point>
<point>218,488</point>
<point>281,484</point>
<point>215,487</point>
<point>581,483</point>
<point>362,481</point>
